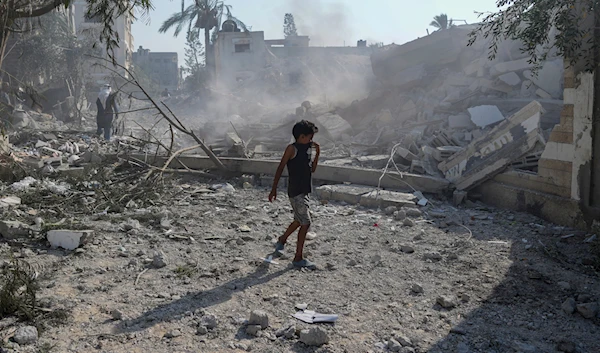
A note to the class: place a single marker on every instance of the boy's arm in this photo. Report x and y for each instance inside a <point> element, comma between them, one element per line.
<point>287,155</point>
<point>318,152</point>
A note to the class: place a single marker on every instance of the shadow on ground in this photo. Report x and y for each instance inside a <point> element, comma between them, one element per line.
<point>175,310</point>
<point>524,312</point>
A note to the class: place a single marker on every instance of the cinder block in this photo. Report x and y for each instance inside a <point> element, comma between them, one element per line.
<point>385,198</point>
<point>346,193</point>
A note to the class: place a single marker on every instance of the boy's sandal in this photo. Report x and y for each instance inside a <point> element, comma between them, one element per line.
<point>304,263</point>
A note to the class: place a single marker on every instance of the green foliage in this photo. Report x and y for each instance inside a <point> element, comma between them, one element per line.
<point>441,22</point>
<point>106,11</point>
<point>194,65</point>
<point>289,26</point>
<point>532,21</point>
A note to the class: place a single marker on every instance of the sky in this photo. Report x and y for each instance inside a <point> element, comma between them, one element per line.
<point>327,22</point>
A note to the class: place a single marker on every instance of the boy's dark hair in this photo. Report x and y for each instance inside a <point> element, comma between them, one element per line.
<point>304,127</point>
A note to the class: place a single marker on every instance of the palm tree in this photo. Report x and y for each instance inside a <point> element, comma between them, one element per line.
<point>441,22</point>
<point>204,14</point>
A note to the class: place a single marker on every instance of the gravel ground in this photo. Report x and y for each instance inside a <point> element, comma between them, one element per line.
<point>187,277</point>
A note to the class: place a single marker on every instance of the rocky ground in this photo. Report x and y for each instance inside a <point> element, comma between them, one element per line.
<point>185,275</point>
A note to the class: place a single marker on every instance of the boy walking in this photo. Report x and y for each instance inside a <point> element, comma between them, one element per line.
<point>298,159</point>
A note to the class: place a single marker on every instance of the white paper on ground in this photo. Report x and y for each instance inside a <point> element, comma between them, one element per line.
<point>311,317</point>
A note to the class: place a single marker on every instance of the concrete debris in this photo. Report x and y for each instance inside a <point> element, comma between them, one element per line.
<point>315,337</point>
<point>588,310</point>
<point>26,335</point>
<point>259,317</point>
<point>485,115</point>
<point>159,260</point>
<point>446,302</point>
<point>11,230</point>
<point>69,239</point>
<point>569,306</point>
<point>489,155</point>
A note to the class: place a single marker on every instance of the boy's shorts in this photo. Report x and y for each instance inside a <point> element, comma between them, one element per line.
<point>300,207</point>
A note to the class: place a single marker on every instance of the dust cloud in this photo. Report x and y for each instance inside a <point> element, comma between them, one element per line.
<point>325,24</point>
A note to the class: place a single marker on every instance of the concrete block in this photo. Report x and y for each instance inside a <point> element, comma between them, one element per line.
<point>475,67</point>
<point>69,239</point>
<point>485,115</point>
<point>407,78</point>
<point>47,151</point>
<point>346,193</point>
<point>334,125</point>
<point>376,161</point>
<point>549,77</point>
<point>458,197</point>
<point>543,94</point>
<point>406,154</point>
<point>385,198</point>
<point>511,79</point>
<point>515,65</point>
<point>73,172</point>
<point>10,201</point>
<point>461,121</point>
<point>34,163</point>
<point>14,229</point>
<point>527,89</point>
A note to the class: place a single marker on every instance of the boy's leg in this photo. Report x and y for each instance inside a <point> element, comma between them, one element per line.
<point>291,229</point>
<point>300,245</point>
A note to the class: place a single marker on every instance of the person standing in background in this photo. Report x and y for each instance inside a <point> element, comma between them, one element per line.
<point>107,111</point>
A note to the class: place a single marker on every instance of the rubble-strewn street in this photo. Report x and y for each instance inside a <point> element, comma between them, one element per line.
<point>185,274</point>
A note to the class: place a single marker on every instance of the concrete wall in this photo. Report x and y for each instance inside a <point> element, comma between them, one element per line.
<point>122,25</point>
<point>565,168</point>
<point>162,66</point>
<point>286,52</point>
<point>232,66</point>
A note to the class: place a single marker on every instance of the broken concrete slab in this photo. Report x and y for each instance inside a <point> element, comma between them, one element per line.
<point>345,193</point>
<point>384,198</point>
<point>490,154</point>
<point>360,176</point>
<point>10,201</point>
<point>510,66</point>
<point>461,121</point>
<point>443,153</point>
<point>543,94</point>
<point>69,239</point>
<point>405,153</point>
<point>407,78</point>
<point>485,115</point>
<point>549,77</point>
<point>335,126</point>
<point>476,67</point>
<point>511,78</point>
<point>377,161</point>
<point>14,229</point>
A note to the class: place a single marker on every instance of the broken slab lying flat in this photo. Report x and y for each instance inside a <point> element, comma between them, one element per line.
<point>69,239</point>
<point>490,154</point>
<point>333,174</point>
<point>365,196</point>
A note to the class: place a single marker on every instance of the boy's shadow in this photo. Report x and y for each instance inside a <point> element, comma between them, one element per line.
<point>176,309</point>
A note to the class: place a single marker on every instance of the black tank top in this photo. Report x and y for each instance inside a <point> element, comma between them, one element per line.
<point>300,171</point>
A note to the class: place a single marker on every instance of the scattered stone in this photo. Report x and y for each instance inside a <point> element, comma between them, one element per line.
<point>413,212</point>
<point>259,317</point>
<point>569,306</point>
<point>564,285</point>
<point>458,330</point>
<point>165,223</point>
<point>26,335</point>
<point>446,302</point>
<point>567,347</point>
<point>245,229</point>
<point>159,260</point>
<point>394,345</point>
<point>117,314</point>
<point>202,330</point>
<point>253,330</point>
<point>409,222</point>
<point>407,249</point>
<point>69,239</point>
<point>588,310</point>
<point>314,337</point>
<point>417,289</point>
<point>173,334</point>
<point>288,331</point>
<point>209,321</point>
<point>390,210</point>
<point>400,215</point>
<point>434,256</point>
<point>13,229</point>
<point>131,224</point>
<point>403,340</point>
<point>352,263</point>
